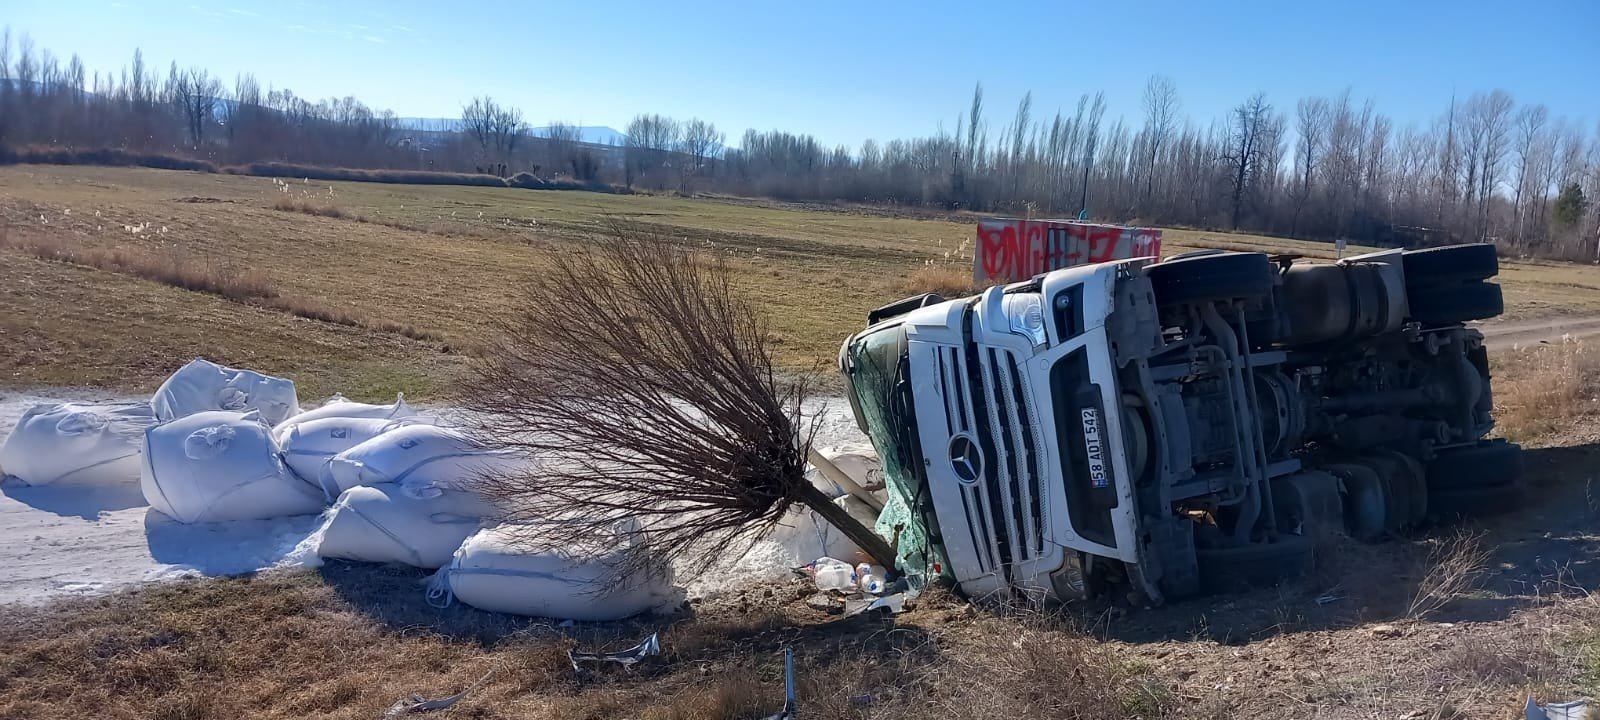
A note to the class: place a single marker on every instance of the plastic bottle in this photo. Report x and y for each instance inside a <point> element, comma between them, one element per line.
<point>871,578</point>
<point>833,574</point>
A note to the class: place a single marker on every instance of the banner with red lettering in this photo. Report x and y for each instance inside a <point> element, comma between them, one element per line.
<point>1011,250</point>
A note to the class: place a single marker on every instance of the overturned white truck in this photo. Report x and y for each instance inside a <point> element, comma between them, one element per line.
<point>1181,425</point>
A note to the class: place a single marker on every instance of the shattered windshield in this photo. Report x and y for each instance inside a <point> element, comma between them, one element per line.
<point>880,395</point>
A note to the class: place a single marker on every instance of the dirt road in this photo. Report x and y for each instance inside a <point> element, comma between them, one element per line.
<point>1505,335</point>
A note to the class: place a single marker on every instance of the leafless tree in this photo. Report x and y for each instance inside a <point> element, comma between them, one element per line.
<point>1243,154</point>
<point>496,128</point>
<point>1160,119</point>
<point>1530,134</point>
<point>701,141</point>
<point>1091,142</point>
<point>561,140</point>
<point>1311,115</point>
<point>1489,125</point>
<point>195,94</point>
<point>651,141</point>
<point>655,404</point>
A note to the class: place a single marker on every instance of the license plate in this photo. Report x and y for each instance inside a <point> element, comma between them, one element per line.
<point>1094,451</point>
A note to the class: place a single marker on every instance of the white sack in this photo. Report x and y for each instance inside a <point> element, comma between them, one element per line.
<point>496,571</point>
<point>338,407</point>
<point>203,385</point>
<point>77,443</point>
<point>862,467</point>
<point>308,446</point>
<point>379,523</point>
<point>422,459</point>
<point>805,536</point>
<point>219,465</point>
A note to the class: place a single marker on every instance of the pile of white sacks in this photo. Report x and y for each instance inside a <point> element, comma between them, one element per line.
<point>216,444</point>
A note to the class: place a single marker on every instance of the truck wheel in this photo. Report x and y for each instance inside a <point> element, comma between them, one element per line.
<point>1450,304</point>
<point>1308,504</point>
<point>1230,568</point>
<point>1488,464</point>
<point>1416,481</point>
<point>1398,488</point>
<point>1366,505</point>
<point>1209,277</point>
<point>1450,265</point>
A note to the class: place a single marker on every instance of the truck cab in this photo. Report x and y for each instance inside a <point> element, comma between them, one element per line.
<point>1178,426</point>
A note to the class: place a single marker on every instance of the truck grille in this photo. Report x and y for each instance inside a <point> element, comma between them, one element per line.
<point>988,398</point>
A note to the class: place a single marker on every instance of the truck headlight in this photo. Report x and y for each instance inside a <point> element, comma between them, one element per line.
<point>1025,315</point>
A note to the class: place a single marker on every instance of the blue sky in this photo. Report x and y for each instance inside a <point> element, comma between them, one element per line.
<point>849,71</point>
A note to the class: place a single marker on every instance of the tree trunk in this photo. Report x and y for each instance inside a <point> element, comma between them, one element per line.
<point>861,535</point>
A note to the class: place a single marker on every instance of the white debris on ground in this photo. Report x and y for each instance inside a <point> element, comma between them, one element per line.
<point>58,541</point>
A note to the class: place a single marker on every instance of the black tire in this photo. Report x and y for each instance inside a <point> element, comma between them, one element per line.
<point>1450,304</point>
<point>1451,265</point>
<point>1216,276</point>
<point>1416,483</point>
<point>1397,488</point>
<point>1459,503</point>
<point>1225,569</point>
<point>1308,504</point>
<point>1488,464</point>
<point>1366,502</point>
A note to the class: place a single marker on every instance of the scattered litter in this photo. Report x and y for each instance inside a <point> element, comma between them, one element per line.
<point>893,604</point>
<point>872,579</point>
<point>1570,710</point>
<point>649,647</point>
<point>832,574</point>
<point>417,704</point>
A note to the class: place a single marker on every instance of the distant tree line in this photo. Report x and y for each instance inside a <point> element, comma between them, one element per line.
<point>1484,169</point>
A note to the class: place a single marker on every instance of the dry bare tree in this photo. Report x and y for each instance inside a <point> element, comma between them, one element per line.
<point>1161,118</point>
<point>645,387</point>
<point>495,127</point>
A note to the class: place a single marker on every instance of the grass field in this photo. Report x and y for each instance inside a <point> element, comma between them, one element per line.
<point>441,261</point>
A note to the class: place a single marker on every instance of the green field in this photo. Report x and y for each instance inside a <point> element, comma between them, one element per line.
<point>443,261</point>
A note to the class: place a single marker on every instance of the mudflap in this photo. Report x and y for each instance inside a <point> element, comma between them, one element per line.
<point>1168,568</point>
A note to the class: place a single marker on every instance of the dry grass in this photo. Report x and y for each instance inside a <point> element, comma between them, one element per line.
<point>444,257</point>
<point>1540,390</point>
<point>302,205</point>
<point>1454,566</point>
<point>247,286</point>
<point>949,281</point>
<point>1514,660</point>
<point>171,268</point>
<point>350,642</point>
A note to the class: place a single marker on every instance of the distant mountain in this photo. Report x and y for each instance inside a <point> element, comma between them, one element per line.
<point>597,134</point>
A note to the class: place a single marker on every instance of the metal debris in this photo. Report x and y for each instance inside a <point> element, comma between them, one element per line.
<point>626,658</point>
<point>419,704</point>
<point>789,712</point>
